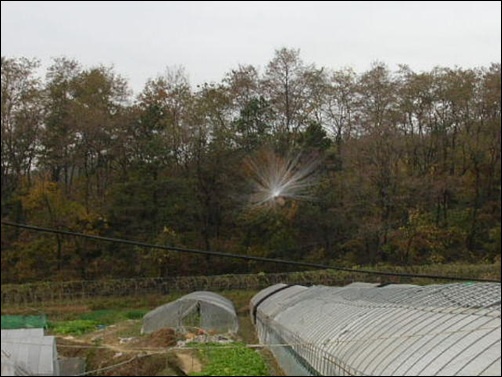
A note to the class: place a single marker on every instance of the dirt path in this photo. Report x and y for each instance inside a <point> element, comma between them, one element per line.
<point>188,363</point>
<point>120,342</point>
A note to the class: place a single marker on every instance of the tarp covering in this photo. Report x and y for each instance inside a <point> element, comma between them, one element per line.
<point>28,352</point>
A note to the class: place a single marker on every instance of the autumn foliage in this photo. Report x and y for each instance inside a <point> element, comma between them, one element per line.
<point>409,168</point>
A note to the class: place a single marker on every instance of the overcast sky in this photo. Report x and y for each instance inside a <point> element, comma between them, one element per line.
<point>141,38</point>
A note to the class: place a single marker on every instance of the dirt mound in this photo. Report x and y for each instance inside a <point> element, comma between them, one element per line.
<point>162,338</point>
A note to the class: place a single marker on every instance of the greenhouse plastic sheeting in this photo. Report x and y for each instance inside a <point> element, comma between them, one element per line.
<point>281,293</point>
<point>27,352</point>
<point>365,329</point>
<point>201,310</point>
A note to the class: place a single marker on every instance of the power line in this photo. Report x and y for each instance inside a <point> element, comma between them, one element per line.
<point>238,256</point>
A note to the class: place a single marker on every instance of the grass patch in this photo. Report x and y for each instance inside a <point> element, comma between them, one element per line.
<point>90,321</point>
<point>102,317</point>
<point>234,359</point>
<point>135,314</point>
<point>75,327</point>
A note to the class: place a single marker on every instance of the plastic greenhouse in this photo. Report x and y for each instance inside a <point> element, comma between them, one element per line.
<point>393,330</point>
<point>201,310</point>
<point>27,352</point>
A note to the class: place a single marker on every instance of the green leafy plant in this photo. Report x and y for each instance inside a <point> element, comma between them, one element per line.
<point>233,359</point>
<point>75,327</point>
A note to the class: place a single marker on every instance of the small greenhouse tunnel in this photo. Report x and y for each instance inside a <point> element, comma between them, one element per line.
<point>198,310</point>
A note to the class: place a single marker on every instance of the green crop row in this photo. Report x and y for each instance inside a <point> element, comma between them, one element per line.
<point>234,359</point>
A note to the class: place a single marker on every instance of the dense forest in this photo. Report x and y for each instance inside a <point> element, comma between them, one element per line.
<point>408,167</point>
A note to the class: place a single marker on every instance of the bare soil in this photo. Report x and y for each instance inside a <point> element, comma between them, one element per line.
<point>110,353</point>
